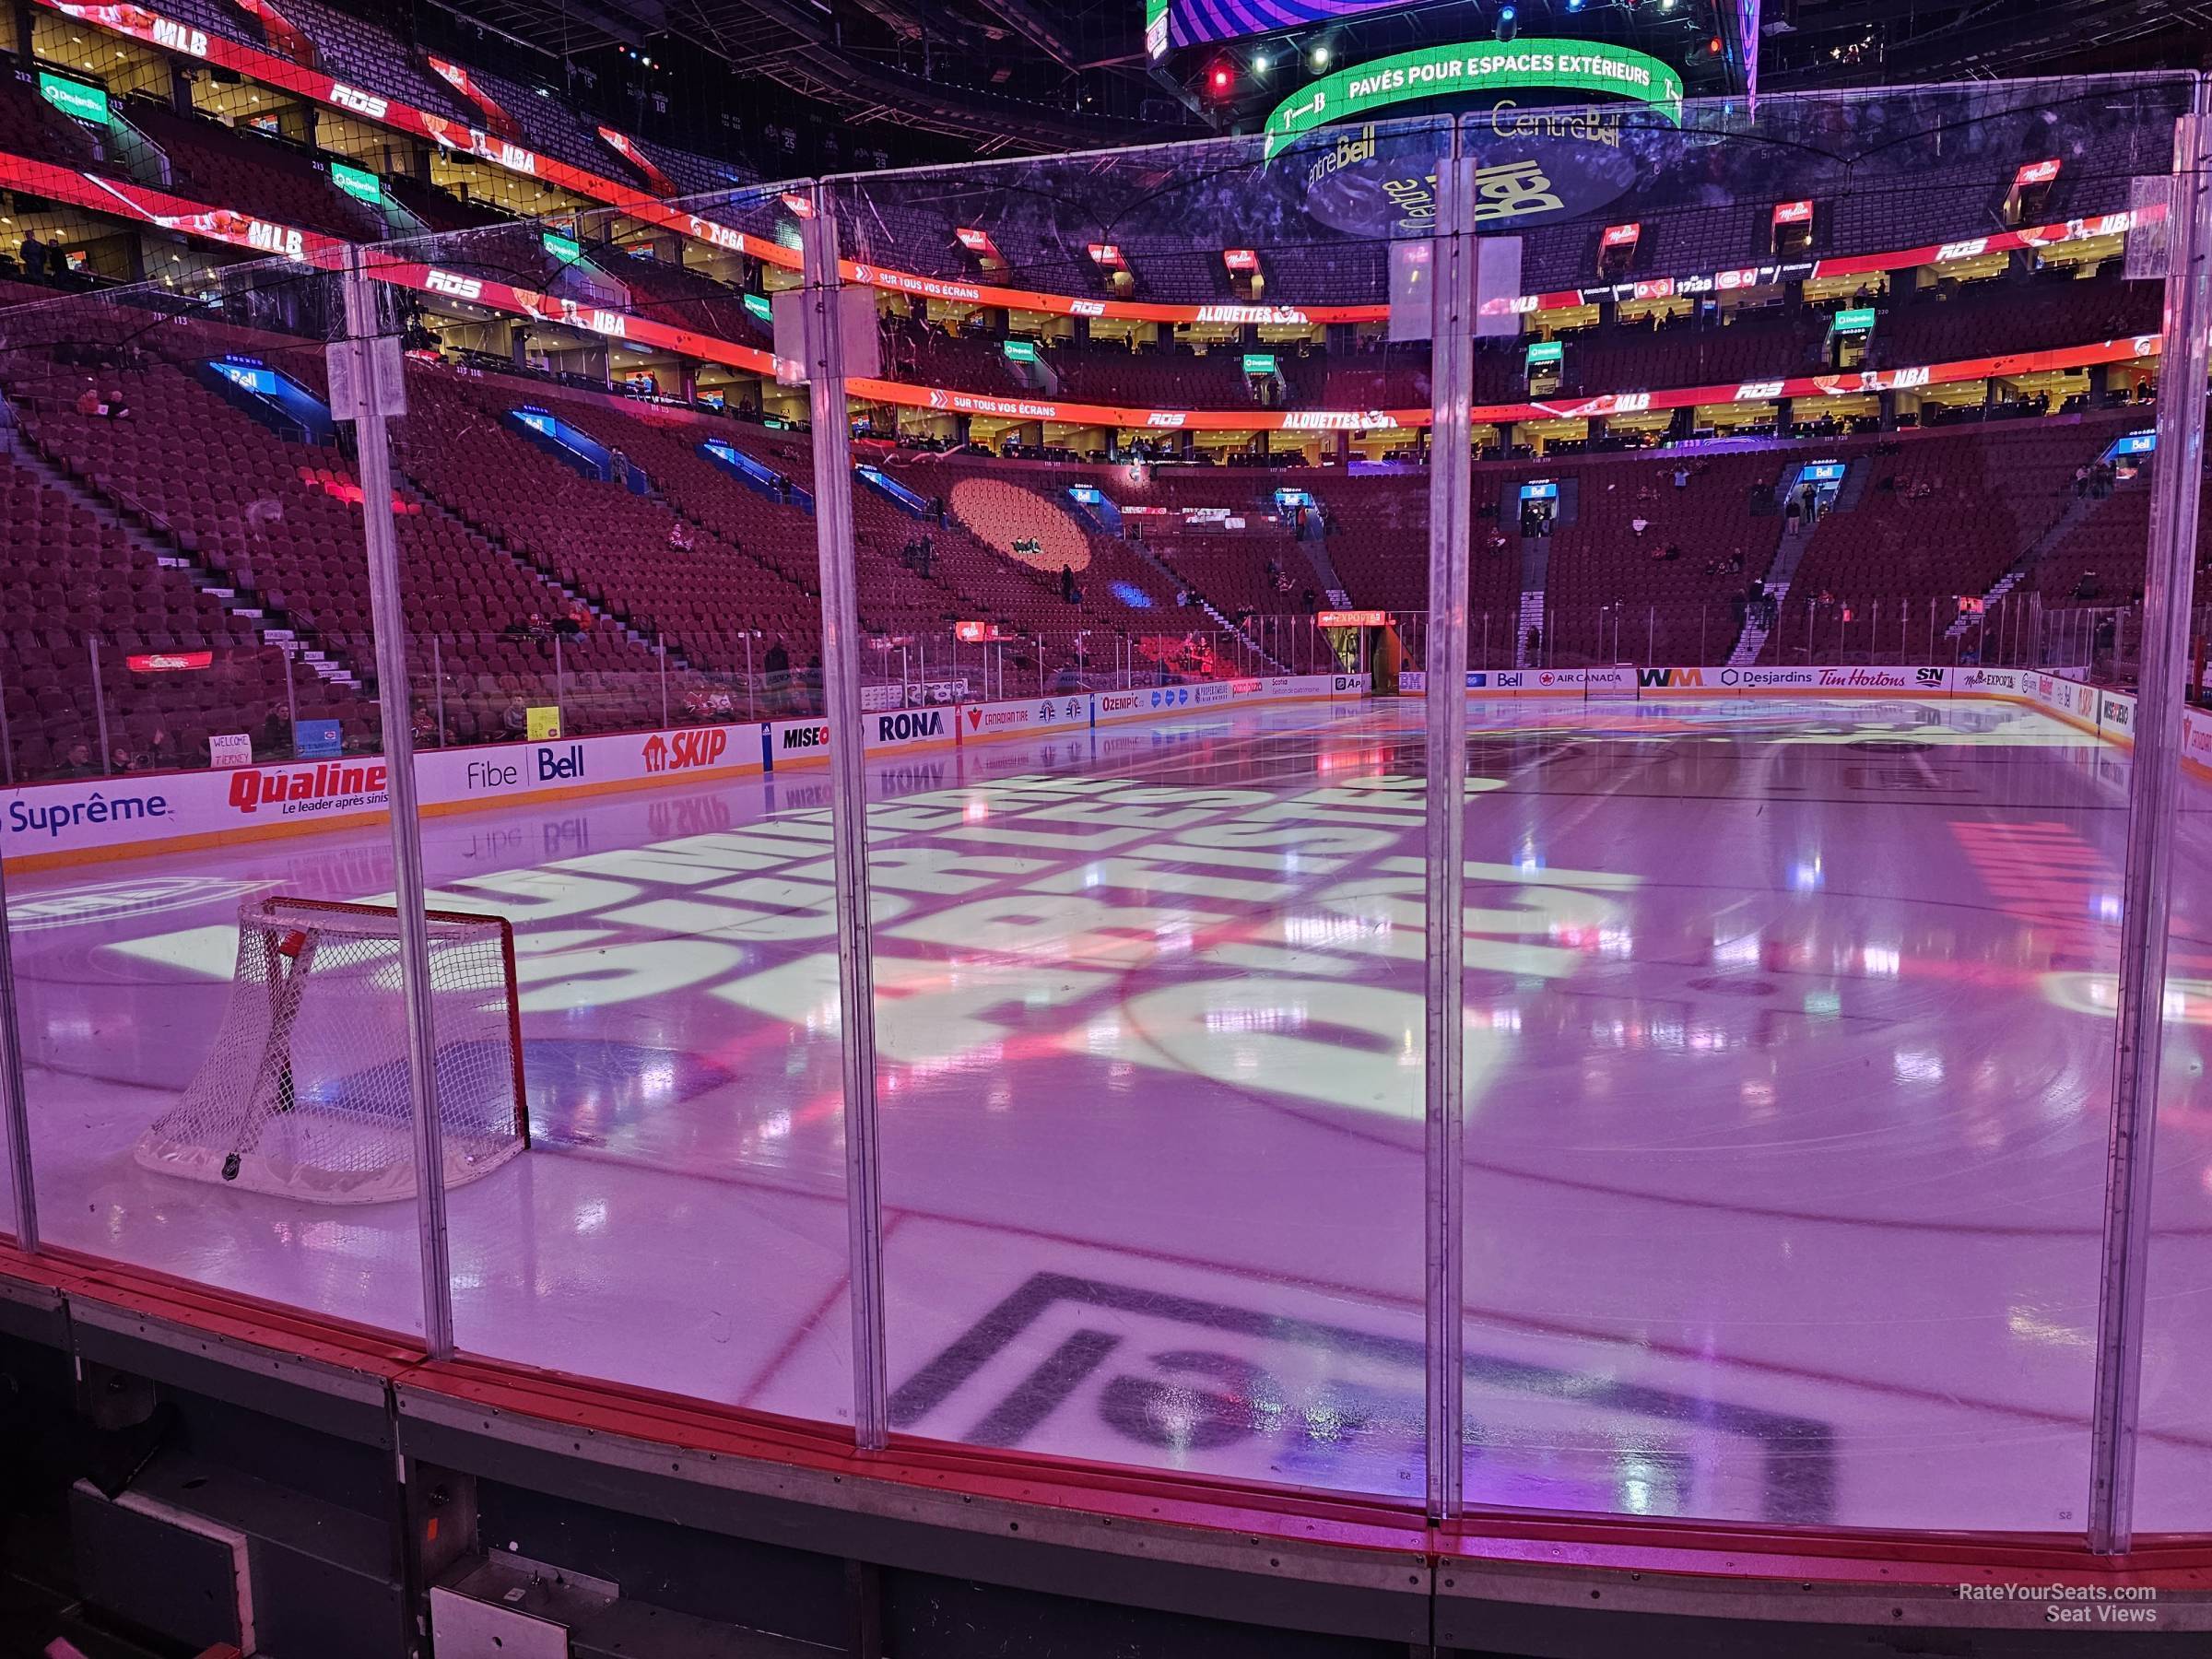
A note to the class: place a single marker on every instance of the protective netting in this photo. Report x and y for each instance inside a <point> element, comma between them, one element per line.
<point>305,1092</point>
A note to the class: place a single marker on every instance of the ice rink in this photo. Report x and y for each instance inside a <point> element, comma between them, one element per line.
<point>1788,1052</point>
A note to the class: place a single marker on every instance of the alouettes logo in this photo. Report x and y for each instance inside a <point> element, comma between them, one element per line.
<point>453,284</point>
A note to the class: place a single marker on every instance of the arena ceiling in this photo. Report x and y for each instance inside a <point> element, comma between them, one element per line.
<point>992,76</point>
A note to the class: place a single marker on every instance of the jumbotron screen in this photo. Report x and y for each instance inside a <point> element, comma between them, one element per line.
<point>1171,23</point>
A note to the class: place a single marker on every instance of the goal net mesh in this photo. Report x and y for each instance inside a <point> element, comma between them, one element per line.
<point>306,1091</point>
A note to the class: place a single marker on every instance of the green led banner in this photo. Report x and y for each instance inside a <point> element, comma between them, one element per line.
<point>1855,322</point>
<point>758,304</point>
<point>1545,351</point>
<point>1259,362</point>
<point>1361,93</point>
<point>566,248</point>
<point>74,97</point>
<point>361,186</point>
<point>1021,351</point>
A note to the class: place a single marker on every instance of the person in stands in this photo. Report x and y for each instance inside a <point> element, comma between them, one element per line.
<point>516,718</point>
<point>1067,584</point>
<point>778,660</point>
<point>33,256</point>
<point>1639,525</point>
<point>88,401</point>
<point>116,409</point>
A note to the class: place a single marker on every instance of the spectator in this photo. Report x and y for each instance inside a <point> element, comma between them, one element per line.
<point>33,256</point>
<point>1639,525</point>
<point>115,408</point>
<point>516,718</point>
<point>88,401</point>
<point>2081,480</point>
<point>1681,476</point>
<point>1790,513</point>
<point>77,762</point>
<point>1067,584</point>
<point>778,660</point>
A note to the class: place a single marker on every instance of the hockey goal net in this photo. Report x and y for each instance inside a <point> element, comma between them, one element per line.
<point>307,1092</point>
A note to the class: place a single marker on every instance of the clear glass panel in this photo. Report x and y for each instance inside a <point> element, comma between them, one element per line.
<point>189,567</point>
<point>613,619</point>
<point>1786,1155</point>
<point>2172,1492</point>
<point>1147,941</point>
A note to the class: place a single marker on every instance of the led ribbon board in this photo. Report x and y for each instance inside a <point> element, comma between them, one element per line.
<point>1360,92</point>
